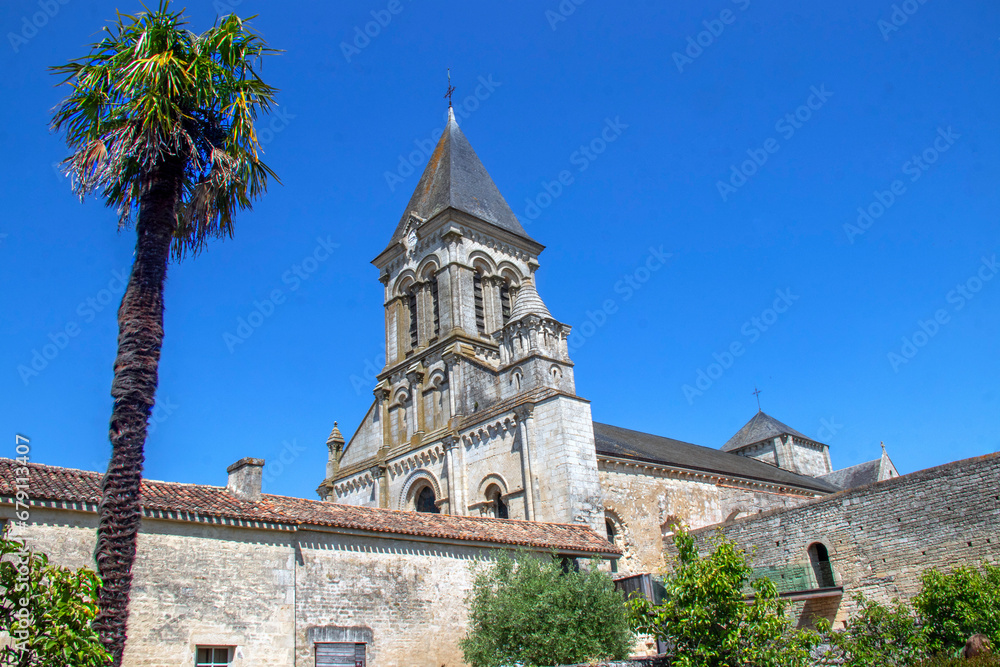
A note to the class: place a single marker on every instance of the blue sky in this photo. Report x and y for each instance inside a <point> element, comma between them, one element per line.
<point>744,139</point>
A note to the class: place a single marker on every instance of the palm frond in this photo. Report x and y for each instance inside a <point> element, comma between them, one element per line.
<point>151,89</point>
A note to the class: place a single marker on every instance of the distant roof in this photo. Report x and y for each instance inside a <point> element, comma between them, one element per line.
<point>454,177</point>
<point>67,485</point>
<point>622,442</point>
<point>762,427</point>
<point>854,476</point>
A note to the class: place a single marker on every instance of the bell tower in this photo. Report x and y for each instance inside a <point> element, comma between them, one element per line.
<point>476,407</point>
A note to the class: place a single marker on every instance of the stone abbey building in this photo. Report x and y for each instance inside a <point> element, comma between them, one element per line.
<point>476,411</point>
<point>476,441</point>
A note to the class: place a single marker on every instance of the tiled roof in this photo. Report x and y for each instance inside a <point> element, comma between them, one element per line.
<point>762,427</point>
<point>622,442</point>
<point>83,486</point>
<point>861,474</point>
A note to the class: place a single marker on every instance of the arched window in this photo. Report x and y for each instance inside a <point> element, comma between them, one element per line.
<point>610,527</point>
<point>505,301</point>
<point>477,292</point>
<point>434,306</point>
<point>819,558</point>
<point>495,496</point>
<point>411,304</point>
<point>426,501</point>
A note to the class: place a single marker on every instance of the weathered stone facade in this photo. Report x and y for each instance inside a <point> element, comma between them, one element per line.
<point>881,537</point>
<point>271,578</point>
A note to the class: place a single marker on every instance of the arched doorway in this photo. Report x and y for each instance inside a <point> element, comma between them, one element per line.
<point>819,558</point>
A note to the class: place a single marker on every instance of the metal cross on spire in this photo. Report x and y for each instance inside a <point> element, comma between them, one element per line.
<point>756,392</point>
<point>451,88</point>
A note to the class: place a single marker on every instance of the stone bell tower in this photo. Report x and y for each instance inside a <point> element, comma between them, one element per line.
<point>476,410</point>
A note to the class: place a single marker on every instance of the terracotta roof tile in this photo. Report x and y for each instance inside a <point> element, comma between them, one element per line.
<point>83,486</point>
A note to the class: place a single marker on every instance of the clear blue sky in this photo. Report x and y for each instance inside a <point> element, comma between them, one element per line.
<point>879,97</point>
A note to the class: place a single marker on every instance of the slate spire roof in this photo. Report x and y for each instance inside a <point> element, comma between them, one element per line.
<point>762,427</point>
<point>454,177</point>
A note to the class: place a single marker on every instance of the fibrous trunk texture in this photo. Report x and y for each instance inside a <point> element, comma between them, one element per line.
<point>140,335</point>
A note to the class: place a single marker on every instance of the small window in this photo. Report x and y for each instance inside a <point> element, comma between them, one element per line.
<point>426,502</point>
<point>437,308</point>
<point>411,302</point>
<point>213,656</point>
<point>505,302</point>
<point>477,292</point>
<point>610,527</point>
<point>495,496</point>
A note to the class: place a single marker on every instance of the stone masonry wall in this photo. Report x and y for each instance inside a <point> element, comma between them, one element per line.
<point>881,537</point>
<point>644,503</point>
<point>273,594</point>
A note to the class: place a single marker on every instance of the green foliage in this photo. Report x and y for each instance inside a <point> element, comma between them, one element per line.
<point>48,610</point>
<point>877,635</point>
<point>151,93</point>
<point>528,611</point>
<point>705,619</point>
<point>959,604</point>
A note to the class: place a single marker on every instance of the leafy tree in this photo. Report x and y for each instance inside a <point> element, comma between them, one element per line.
<point>161,122</point>
<point>877,635</point>
<point>528,611</point>
<point>47,611</point>
<point>959,604</point>
<point>706,620</point>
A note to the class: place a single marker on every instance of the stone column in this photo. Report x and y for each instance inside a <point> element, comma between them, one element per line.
<point>380,474</point>
<point>525,423</point>
<point>455,500</point>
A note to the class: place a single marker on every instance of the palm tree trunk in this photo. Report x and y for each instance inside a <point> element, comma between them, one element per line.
<point>140,335</point>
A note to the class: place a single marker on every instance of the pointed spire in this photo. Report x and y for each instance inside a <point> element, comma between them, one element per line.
<point>455,178</point>
<point>335,436</point>
<point>528,303</point>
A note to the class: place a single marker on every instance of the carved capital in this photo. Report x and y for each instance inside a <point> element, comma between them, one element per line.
<point>524,412</point>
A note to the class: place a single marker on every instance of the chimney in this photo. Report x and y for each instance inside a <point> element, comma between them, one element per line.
<point>245,478</point>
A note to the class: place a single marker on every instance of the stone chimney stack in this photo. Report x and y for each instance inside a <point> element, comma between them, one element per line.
<point>245,478</point>
<point>335,445</point>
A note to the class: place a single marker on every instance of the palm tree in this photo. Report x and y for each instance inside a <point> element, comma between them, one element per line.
<point>160,121</point>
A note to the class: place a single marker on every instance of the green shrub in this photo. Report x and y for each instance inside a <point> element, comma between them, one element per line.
<point>47,611</point>
<point>958,604</point>
<point>706,621</point>
<point>529,611</point>
<point>877,635</point>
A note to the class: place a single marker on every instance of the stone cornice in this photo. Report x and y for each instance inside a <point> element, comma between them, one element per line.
<point>622,464</point>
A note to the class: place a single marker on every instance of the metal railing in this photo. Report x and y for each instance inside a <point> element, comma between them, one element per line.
<point>798,576</point>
